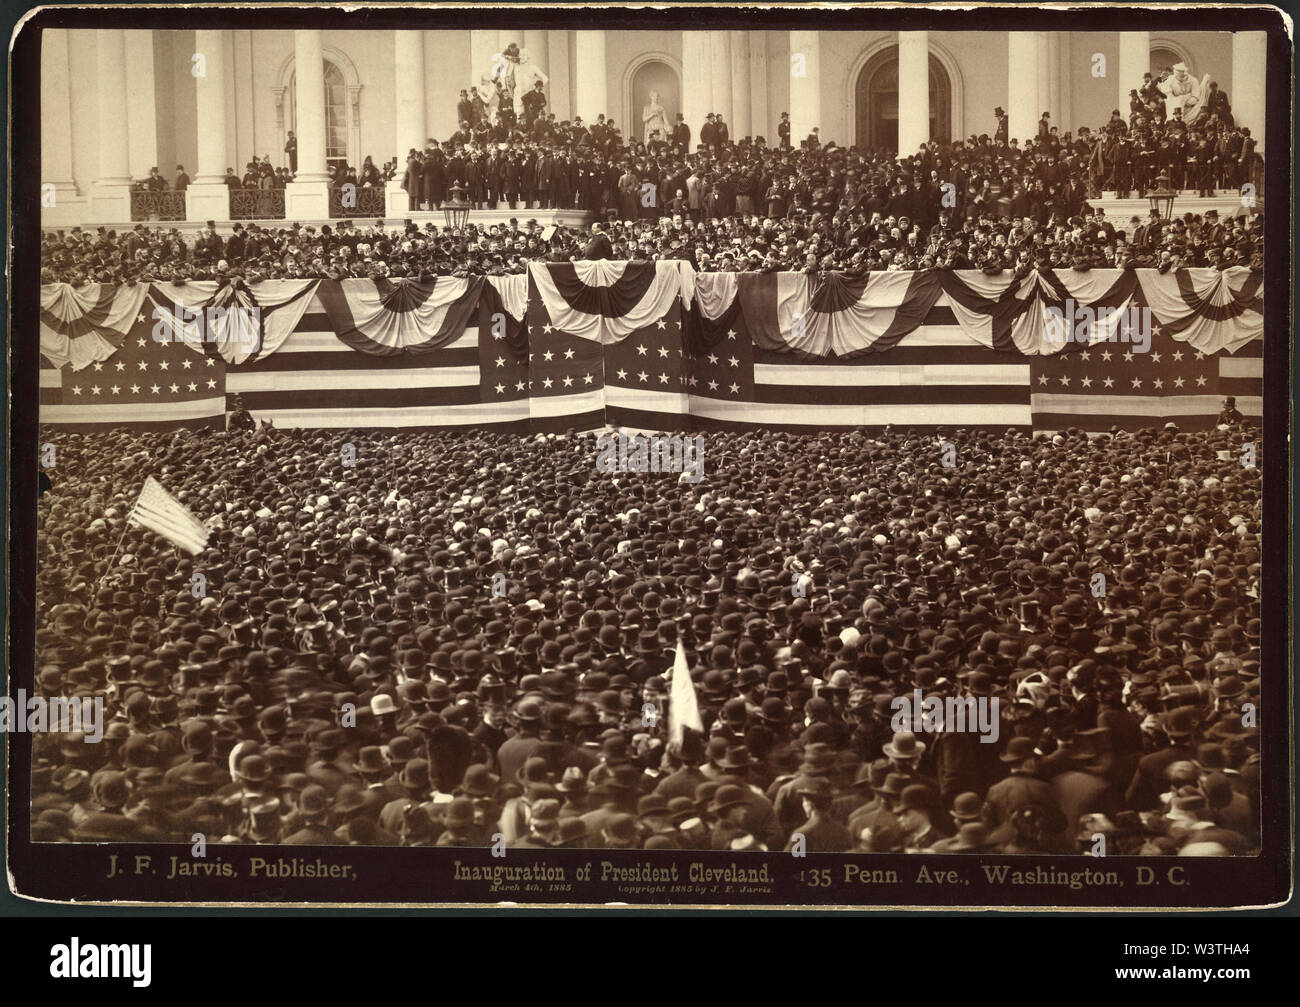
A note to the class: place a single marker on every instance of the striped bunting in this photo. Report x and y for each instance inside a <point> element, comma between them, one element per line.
<point>314,380</point>
<point>934,376</point>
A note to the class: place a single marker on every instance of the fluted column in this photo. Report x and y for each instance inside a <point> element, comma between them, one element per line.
<point>483,59</point>
<point>697,81</point>
<point>805,85</point>
<point>913,91</point>
<point>720,57</point>
<point>1134,61</point>
<point>307,196</point>
<point>56,133</point>
<point>1249,58</point>
<point>1053,101</point>
<point>741,85</point>
<point>207,197</point>
<point>210,108</point>
<point>110,193</point>
<point>539,54</point>
<point>560,92</point>
<point>590,85</point>
<point>408,68</point>
<point>760,116</point>
<point>1022,85</point>
<point>408,111</point>
<point>142,124</point>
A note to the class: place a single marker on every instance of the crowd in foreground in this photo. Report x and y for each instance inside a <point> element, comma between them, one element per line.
<point>355,671</point>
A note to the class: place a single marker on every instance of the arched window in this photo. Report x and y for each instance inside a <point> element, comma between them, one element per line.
<point>1163,58</point>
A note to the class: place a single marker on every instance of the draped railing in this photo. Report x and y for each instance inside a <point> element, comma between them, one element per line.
<point>657,345</point>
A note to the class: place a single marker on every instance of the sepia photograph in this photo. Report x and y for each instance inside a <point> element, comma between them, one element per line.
<point>687,451</point>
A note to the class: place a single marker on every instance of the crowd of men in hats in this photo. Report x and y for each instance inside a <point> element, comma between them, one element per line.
<point>852,241</point>
<point>468,638</point>
<point>741,205</point>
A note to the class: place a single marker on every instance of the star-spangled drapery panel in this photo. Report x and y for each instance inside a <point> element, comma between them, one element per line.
<point>729,349</point>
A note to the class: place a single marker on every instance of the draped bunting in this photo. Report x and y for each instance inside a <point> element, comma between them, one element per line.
<point>512,293</point>
<point>1208,309</point>
<point>387,317</point>
<point>840,315</point>
<point>82,325</point>
<point>846,314</point>
<point>606,300</point>
<point>571,345</point>
<point>244,322</point>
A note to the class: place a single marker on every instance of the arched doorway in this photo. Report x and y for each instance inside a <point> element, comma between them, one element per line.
<point>1163,58</point>
<point>876,101</point>
<point>653,73</point>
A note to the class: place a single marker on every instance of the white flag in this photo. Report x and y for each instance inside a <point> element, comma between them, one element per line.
<point>161,512</point>
<point>683,710</point>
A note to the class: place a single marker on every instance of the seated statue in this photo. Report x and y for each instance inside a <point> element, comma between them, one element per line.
<point>1183,91</point>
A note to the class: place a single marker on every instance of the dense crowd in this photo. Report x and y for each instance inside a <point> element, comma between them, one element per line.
<point>879,239</point>
<point>354,672</point>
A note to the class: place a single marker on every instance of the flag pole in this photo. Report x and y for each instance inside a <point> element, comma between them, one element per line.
<point>120,539</point>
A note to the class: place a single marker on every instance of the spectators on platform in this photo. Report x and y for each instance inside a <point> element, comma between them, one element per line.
<point>738,206</point>
<point>884,238</point>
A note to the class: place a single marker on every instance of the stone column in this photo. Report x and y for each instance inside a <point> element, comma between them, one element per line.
<point>589,87</point>
<point>720,58</point>
<point>697,81</point>
<point>913,91</point>
<point>1134,61</point>
<point>142,125</point>
<point>1043,52</point>
<point>539,54</point>
<point>760,117</point>
<point>409,84</point>
<point>61,206</point>
<point>1249,60</point>
<point>1053,40</point>
<point>1022,85</point>
<point>805,85</point>
<point>409,112</point>
<point>483,50</point>
<point>559,93</point>
<point>741,86</point>
<point>207,198</point>
<point>110,193</point>
<point>307,196</point>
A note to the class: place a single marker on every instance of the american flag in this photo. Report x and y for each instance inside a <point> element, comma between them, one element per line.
<point>1098,386</point>
<point>315,380</point>
<point>935,376</point>
<point>147,383</point>
<point>647,377</point>
<point>566,376</point>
